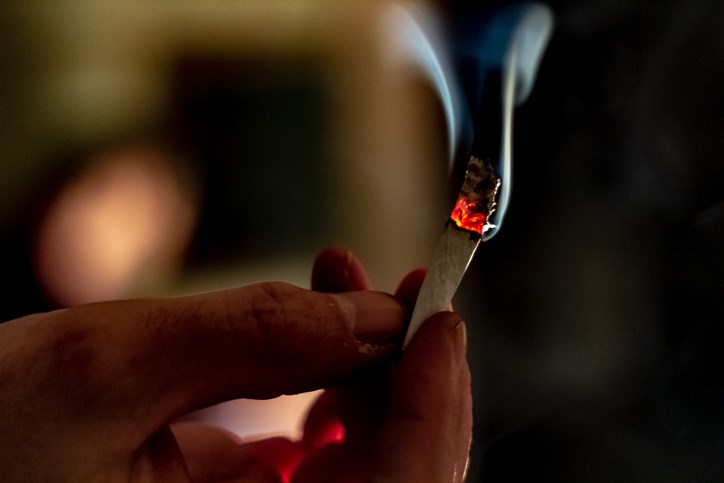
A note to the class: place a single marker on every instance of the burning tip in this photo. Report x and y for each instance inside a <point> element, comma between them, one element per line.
<point>478,197</point>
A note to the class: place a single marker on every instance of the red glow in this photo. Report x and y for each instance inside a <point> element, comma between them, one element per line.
<point>468,216</point>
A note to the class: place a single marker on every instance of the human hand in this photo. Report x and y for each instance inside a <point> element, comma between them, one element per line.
<point>88,394</point>
<point>409,421</point>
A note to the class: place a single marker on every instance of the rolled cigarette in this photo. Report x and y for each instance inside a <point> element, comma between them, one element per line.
<point>453,253</point>
<point>470,221</point>
<point>460,238</point>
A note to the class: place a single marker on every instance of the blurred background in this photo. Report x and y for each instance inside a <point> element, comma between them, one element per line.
<point>163,148</point>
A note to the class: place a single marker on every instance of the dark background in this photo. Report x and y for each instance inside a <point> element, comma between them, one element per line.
<point>596,315</point>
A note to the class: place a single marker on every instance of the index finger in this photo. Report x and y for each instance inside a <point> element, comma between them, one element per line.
<point>150,361</point>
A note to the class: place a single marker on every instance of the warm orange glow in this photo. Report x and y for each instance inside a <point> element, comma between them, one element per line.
<point>118,228</point>
<point>468,216</point>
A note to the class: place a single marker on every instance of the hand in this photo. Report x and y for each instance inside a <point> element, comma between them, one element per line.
<point>88,394</point>
<point>403,422</point>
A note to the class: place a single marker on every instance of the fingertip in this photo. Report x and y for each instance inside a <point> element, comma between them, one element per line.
<point>337,269</point>
<point>409,287</point>
<point>327,268</point>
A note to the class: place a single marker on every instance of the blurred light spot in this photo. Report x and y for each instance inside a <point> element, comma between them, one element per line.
<point>336,433</point>
<point>119,227</point>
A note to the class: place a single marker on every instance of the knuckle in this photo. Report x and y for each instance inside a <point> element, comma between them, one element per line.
<point>61,365</point>
<point>269,302</point>
<point>274,323</point>
<point>71,348</point>
<point>283,321</point>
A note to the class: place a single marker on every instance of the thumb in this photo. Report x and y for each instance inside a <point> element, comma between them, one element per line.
<point>426,435</point>
<point>155,360</point>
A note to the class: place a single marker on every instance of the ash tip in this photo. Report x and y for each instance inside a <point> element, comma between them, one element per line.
<point>481,185</point>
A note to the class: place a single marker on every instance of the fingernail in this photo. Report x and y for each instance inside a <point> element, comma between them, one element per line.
<point>456,335</point>
<point>461,343</point>
<point>376,317</point>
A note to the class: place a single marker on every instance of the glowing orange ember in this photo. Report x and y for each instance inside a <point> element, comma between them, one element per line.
<point>468,215</point>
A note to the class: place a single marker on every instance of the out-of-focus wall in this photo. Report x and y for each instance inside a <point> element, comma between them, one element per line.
<point>294,109</point>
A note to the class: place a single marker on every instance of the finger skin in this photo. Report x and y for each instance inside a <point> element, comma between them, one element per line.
<point>334,463</point>
<point>362,404</point>
<point>335,270</point>
<point>210,453</point>
<point>338,270</point>
<point>347,408</point>
<point>427,431</point>
<point>422,433</point>
<point>117,372</point>
<point>99,383</point>
<point>322,425</point>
